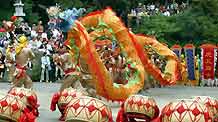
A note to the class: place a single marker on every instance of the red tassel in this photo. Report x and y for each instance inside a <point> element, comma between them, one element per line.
<point>22,118</point>
<point>156,120</point>
<point>30,117</point>
<point>121,115</point>
<point>27,116</point>
<point>32,101</point>
<point>54,101</point>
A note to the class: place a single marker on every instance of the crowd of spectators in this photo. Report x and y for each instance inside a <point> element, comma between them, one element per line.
<point>157,8</point>
<point>42,40</point>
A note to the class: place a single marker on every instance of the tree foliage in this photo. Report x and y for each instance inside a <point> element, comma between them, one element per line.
<point>198,24</point>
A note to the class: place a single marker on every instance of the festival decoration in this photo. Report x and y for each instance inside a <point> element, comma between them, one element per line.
<point>208,63</point>
<point>107,87</point>
<point>166,74</point>
<point>100,26</point>
<point>53,11</point>
<point>177,49</point>
<point>14,110</point>
<point>190,64</point>
<point>3,37</point>
<point>138,107</point>
<point>87,109</point>
<point>63,99</point>
<point>28,97</point>
<point>185,111</point>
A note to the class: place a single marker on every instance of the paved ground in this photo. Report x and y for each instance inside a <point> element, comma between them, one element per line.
<point>161,95</point>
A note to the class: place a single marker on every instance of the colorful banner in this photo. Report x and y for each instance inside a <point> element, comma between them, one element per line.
<point>190,61</point>
<point>177,50</point>
<point>208,71</point>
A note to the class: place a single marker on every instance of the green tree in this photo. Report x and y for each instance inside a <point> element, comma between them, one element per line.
<point>197,24</point>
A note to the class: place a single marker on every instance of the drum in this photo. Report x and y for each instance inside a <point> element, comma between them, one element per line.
<point>66,96</point>
<point>87,109</point>
<point>211,103</point>
<point>140,107</point>
<point>185,111</point>
<point>11,108</point>
<point>28,97</point>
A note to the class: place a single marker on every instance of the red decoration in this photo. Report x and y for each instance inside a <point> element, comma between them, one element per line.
<point>208,61</point>
<point>54,101</point>
<point>180,109</point>
<point>2,30</point>
<point>195,111</point>
<point>13,18</point>
<point>104,113</point>
<point>139,103</point>
<point>169,112</point>
<point>131,102</point>
<point>91,108</point>
<point>148,105</point>
<point>21,95</point>
<point>121,117</point>
<point>15,107</point>
<point>176,47</point>
<point>65,94</point>
<point>76,106</point>
<point>74,95</point>
<point>4,103</point>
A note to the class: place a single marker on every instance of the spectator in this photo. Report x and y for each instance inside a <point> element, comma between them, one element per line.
<point>40,28</point>
<point>45,65</point>
<point>2,65</point>
<point>166,13</point>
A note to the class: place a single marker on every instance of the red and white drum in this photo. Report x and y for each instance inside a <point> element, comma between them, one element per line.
<point>185,111</point>
<point>11,108</point>
<point>28,97</point>
<point>66,96</point>
<point>211,103</point>
<point>87,109</point>
<point>141,107</point>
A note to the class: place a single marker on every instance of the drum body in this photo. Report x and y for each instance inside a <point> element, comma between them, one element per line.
<point>87,109</point>
<point>11,108</point>
<point>141,107</point>
<point>185,111</point>
<point>211,103</point>
<point>28,97</point>
<point>66,96</point>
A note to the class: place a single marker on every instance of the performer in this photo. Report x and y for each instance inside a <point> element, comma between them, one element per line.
<point>23,55</point>
<point>71,71</point>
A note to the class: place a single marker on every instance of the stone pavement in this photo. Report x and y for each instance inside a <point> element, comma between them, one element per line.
<point>161,95</point>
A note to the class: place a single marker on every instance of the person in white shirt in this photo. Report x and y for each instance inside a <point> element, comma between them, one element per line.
<point>45,67</point>
<point>33,33</point>
<point>44,36</point>
<point>55,33</point>
<point>166,13</point>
